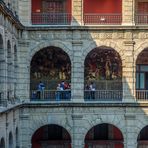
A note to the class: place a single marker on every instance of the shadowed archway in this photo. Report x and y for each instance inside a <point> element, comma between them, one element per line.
<point>142,75</point>
<point>2,143</point>
<point>103,71</point>
<point>104,135</point>
<point>11,140</point>
<point>51,136</point>
<point>50,67</point>
<point>142,140</point>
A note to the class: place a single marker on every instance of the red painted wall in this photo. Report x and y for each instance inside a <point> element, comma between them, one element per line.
<point>143,7</point>
<point>37,5</point>
<point>102,6</point>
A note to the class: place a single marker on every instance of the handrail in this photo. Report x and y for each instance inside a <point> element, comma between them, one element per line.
<point>103,95</point>
<point>51,18</point>
<point>102,18</point>
<point>142,18</point>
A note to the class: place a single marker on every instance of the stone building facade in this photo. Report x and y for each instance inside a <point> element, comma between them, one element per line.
<point>22,117</point>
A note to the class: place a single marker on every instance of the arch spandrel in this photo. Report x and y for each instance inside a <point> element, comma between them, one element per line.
<point>58,44</point>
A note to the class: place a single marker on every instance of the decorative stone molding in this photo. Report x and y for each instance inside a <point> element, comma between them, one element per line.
<point>77,116</point>
<point>129,43</point>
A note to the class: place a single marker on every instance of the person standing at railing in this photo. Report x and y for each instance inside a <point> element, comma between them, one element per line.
<point>92,90</point>
<point>40,90</point>
<point>58,92</point>
<point>87,92</point>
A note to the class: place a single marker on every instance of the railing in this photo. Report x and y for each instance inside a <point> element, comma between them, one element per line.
<point>51,18</point>
<point>104,143</point>
<point>50,95</point>
<point>103,95</point>
<point>142,19</point>
<point>142,95</point>
<point>101,19</point>
<point>107,84</point>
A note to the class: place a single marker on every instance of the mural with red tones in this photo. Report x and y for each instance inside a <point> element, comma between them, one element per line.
<point>143,7</point>
<point>103,6</point>
<point>37,5</point>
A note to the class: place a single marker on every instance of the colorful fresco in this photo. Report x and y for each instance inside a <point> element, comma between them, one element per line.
<point>103,64</point>
<point>51,64</point>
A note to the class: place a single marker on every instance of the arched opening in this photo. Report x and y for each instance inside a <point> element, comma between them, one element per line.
<point>142,75</point>
<point>15,69</point>
<point>17,138</point>
<point>103,75</point>
<point>51,136</point>
<point>49,12</point>
<point>143,138</point>
<point>2,143</point>
<point>104,136</point>
<point>9,73</point>
<point>1,42</point>
<point>50,75</point>
<point>1,65</point>
<point>10,140</point>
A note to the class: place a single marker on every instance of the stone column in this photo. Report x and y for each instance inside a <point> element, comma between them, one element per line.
<point>77,12</point>
<point>77,73</point>
<point>22,85</point>
<point>129,73</point>
<point>3,77</point>
<point>128,12</point>
<point>25,142</point>
<point>77,131</point>
<point>24,12</point>
<point>130,140</point>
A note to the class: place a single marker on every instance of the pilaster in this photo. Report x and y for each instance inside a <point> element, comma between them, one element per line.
<point>77,12</point>
<point>128,12</point>
<point>128,73</point>
<point>77,73</point>
<point>3,78</point>
<point>23,84</point>
<point>77,131</point>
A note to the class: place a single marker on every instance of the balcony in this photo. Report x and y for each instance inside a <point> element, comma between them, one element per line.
<point>142,19</point>
<point>142,95</point>
<point>50,95</point>
<point>103,95</point>
<point>102,19</point>
<point>51,18</point>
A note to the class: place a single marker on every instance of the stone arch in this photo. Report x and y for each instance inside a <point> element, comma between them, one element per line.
<point>11,140</point>
<point>140,49</point>
<point>142,139</point>
<point>17,137</point>
<point>107,132</point>
<point>141,75</point>
<point>9,69</point>
<point>2,143</point>
<point>98,44</point>
<point>37,124</point>
<point>58,44</point>
<point>1,42</point>
<point>49,67</point>
<point>116,122</point>
<point>15,53</point>
<point>103,70</point>
<point>55,132</point>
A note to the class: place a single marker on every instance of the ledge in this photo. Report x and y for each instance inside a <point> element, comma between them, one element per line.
<point>7,12</point>
<point>70,104</point>
<point>95,28</point>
